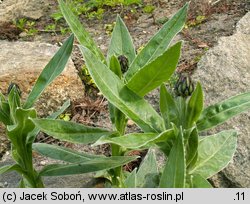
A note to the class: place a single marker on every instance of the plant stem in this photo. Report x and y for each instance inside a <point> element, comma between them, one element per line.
<point>118,174</point>
<point>31,175</point>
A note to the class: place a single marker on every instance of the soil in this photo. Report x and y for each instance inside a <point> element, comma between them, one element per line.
<point>198,36</point>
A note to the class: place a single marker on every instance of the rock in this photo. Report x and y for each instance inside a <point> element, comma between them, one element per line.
<point>13,9</point>
<point>224,71</point>
<point>22,62</point>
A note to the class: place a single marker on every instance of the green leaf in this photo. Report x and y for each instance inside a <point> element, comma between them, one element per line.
<point>166,145</point>
<point>9,168</point>
<point>63,154</point>
<point>135,107</point>
<point>80,32</point>
<point>52,70</point>
<point>21,184</point>
<point>54,115</point>
<point>174,172</point>
<point>137,140</point>
<point>121,42</point>
<point>18,133</point>
<point>191,146</point>
<point>147,172</point>
<point>159,43</point>
<point>156,72</point>
<point>118,118</point>
<point>4,111</point>
<point>70,131</point>
<point>197,181</point>
<point>14,103</point>
<point>130,181</point>
<point>2,98</point>
<point>115,67</point>
<point>130,141</point>
<point>214,153</point>
<point>86,167</point>
<point>222,111</point>
<point>195,106</point>
<point>168,107</point>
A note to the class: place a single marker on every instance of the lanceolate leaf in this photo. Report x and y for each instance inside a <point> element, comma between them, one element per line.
<point>14,103</point>
<point>51,71</point>
<point>117,117</point>
<point>78,29</point>
<point>195,106</point>
<point>174,172</point>
<point>137,140</point>
<point>70,131</point>
<point>86,167</point>
<point>33,134</point>
<point>156,72</point>
<point>222,111</point>
<point>130,181</point>
<point>214,153</point>
<point>147,170</point>
<point>120,96</point>
<point>191,146</point>
<point>130,141</point>
<point>63,154</point>
<point>9,168</point>
<point>4,111</point>
<point>121,42</point>
<point>159,43</point>
<point>168,107</point>
<point>115,67</point>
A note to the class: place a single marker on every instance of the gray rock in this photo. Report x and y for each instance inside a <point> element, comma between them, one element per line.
<point>13,9</point>
<point>224,71</point>
<point>22,62</point>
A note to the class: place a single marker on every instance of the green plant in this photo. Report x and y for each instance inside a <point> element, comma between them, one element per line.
<point>18,118</point>
<point>96,14</point>
<point>93,8</point>
<point>20,23</point>
<point>195,22</point>
<point>191,158</point>
<point>50,27</point>
<point>109,28</point>
<point>148,9</point>
<point>26,26</point>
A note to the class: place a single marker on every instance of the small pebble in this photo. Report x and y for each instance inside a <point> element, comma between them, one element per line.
<point>43,163</point>
<point>130,122</point>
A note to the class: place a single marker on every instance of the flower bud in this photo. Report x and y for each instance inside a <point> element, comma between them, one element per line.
<point>184,87</point>
<point>123,63</point>
<point>16,87</point>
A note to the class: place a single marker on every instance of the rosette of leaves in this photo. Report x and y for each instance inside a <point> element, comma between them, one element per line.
<point>191,159</point>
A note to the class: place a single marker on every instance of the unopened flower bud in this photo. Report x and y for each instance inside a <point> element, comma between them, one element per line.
<point>16,87</point>
<point>184,86</point>
<point>123,62</point>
